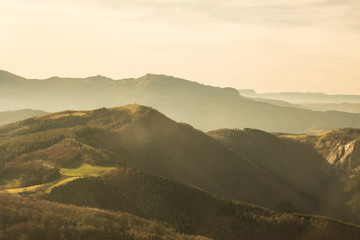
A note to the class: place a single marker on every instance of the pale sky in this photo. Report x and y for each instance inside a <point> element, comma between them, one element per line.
<point>267,45</point>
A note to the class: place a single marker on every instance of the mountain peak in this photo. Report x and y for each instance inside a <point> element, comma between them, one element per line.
<point>99,78</point>
<point>4,75</point>
<point>133,108</point>
<point>158,77</point>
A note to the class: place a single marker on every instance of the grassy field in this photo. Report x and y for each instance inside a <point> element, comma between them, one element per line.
<point>68,175</point>
<point>34,188</point>
<point>62,114</point>
<point>85,170</point>
<point>302,136</point>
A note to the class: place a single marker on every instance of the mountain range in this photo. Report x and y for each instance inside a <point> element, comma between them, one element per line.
<point>204,107</point>
<point>14,116</point>
<point>135,159</point>
<point>302,97</point>
<point>311,101</point>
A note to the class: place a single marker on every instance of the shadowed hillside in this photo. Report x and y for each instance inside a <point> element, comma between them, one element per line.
<point>205,107</point>
<point>341,149</point>
<point>193,211</point>
<point>296,164</point>
<point>31,218</point>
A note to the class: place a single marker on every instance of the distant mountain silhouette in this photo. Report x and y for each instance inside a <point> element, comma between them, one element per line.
<point>205,107</point>
<point>300,97</point>
<point>14,116</point>
<point>311,101</point>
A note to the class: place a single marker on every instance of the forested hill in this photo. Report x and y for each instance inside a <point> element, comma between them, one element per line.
<point>31,218</point>
<point>35,150</point>
<point>89,158</point>
<point>193,211</point>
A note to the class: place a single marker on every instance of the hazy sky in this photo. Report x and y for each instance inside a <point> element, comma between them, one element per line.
<point>268,45</point>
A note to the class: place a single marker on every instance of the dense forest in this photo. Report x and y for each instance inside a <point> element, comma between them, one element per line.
<point>29,218</point>
<point>193,211</point>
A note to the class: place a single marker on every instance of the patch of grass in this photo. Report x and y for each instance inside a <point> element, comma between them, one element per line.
<point>46,187</point>
<point>85,170</point>
<point>34,188</point>
<point>302,136</point>
<point>78,170</point>
<point>62,114</point>
<point>295,136</point>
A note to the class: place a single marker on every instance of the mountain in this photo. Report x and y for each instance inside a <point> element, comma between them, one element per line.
<point>18,115</point>
<point>40,153</point>
<point>32,218</point>
<point>299,97</point>
<point>193,211</point>
<point>311,101</point>
<point>342,107</point>
<point>184,177</point>
<point>279,103</point>
<point>322,107</point>
<point>204,107</point>
<point>35,150</point>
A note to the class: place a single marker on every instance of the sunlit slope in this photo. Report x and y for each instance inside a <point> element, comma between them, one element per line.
<point>193,211</point>
<point>13,185</point>
<point>36,150</point>
<point>31,218</point>
<point>205,107</point>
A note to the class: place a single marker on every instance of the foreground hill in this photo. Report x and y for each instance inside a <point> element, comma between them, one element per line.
<point>31,218</point>
<point>205,107</point>
<point>44,149</point>
<point>18,115</point>
<point>193,211</point>
<point>41,153</point>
